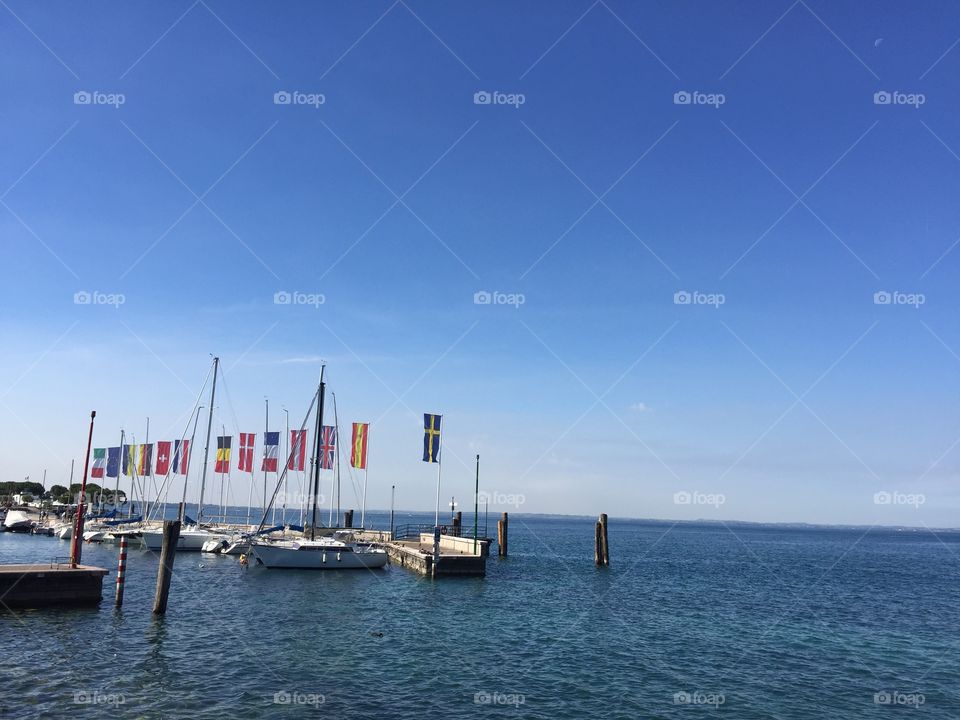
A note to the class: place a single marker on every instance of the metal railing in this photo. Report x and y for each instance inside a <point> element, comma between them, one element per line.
<point>412,531</point>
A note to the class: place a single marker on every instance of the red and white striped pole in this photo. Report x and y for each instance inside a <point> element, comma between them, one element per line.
<point>121,569</point>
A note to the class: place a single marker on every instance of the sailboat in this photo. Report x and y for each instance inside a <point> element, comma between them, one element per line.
<point>192,537</point>
<point>339,552</point>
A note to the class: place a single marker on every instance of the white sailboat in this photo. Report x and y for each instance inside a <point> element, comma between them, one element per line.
<point>340,552</point>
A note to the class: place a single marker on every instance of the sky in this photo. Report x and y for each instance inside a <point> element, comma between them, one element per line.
<point>666,260</point>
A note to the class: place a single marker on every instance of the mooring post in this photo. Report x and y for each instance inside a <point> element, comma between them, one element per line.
<point>121,569</point>
<point>348,518</point>
<point>502,526</point>
<point>171,536</point>
<point>602,551</point>
<point>457,523</point>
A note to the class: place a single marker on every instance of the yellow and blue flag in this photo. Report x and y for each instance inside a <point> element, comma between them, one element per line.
<point>431,438</point>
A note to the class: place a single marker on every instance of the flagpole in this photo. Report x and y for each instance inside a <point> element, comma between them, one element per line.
<point>476,506</point>
<point>266,429</point>
<point>436,519</point>
<point>143,479</point>
<point>76,547</point>
<point>116,492</point>
<point>366,470</point>
<point>223,511</point>
<point>185,466</point>
<point>286,478</point>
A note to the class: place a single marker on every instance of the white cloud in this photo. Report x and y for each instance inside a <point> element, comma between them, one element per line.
<point>640,407</point>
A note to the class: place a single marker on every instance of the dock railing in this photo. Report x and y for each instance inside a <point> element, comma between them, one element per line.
<point>412,531</point>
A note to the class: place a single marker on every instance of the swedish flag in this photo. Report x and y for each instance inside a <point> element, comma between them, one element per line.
<point>431,438</point>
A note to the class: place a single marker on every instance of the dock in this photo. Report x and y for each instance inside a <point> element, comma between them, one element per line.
<point>457,557</point>
<point>50,584</point>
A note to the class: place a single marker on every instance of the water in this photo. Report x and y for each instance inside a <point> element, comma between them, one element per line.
<point>752,622</point>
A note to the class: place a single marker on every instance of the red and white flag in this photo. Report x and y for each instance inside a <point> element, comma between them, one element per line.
<point>163,457</point>
<point>298,450</point>
<point>247,441</point>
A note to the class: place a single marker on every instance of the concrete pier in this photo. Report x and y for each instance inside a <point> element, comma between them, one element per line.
<point>456,556</point>
<point>50,584</point>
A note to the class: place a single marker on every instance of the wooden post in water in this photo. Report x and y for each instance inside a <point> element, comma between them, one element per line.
<point>502,526</point>
<point>602,548</point>
<point>348,518</point>
<point>171,536</point>
<point>121,569</point>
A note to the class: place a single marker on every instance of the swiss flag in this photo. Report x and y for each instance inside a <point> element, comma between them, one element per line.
<point>163,457</point>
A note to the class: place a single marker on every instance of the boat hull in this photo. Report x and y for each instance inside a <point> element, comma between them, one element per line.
<point>189,539</point>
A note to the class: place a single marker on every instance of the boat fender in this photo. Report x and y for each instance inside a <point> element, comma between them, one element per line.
<point>243,560</point>
<point>338,557</point>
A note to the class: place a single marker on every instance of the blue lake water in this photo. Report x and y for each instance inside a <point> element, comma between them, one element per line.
<point>751,622</point>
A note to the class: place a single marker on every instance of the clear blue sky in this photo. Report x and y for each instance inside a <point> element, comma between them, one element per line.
<point>597,199</point>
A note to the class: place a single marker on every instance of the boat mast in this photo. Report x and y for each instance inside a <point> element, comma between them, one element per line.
<point>266,429</point>
<point>206,448</point>
<point>185,466</point>
<point>316,458</point>
<point>116,491</point>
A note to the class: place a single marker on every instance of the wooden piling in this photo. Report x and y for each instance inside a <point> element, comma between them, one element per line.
<point>171,536</point>
<point>601,546</point>
<point>502,527</point>
<point>348,518</point>
<point>121,570</point>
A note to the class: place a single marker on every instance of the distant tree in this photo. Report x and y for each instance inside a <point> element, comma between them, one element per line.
<point>34,488</point>
<point>59,493</point>
<point>26,498</point>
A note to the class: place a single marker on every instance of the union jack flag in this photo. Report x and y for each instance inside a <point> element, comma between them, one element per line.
<point>328,447</point>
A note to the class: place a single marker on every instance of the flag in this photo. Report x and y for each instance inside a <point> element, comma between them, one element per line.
<point>129,459</point>
<point>298,450</point>
<point>358,455</point>
<point>223,454</point>
<point>113,461</point>
<point>163,457</point>
<point>181,456</point>
<point>99,462</point>
<point>146,460</point>
<point>431,438</point>
<point>246,452</point>
<point>328,447</point>
<point>271,445</point>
